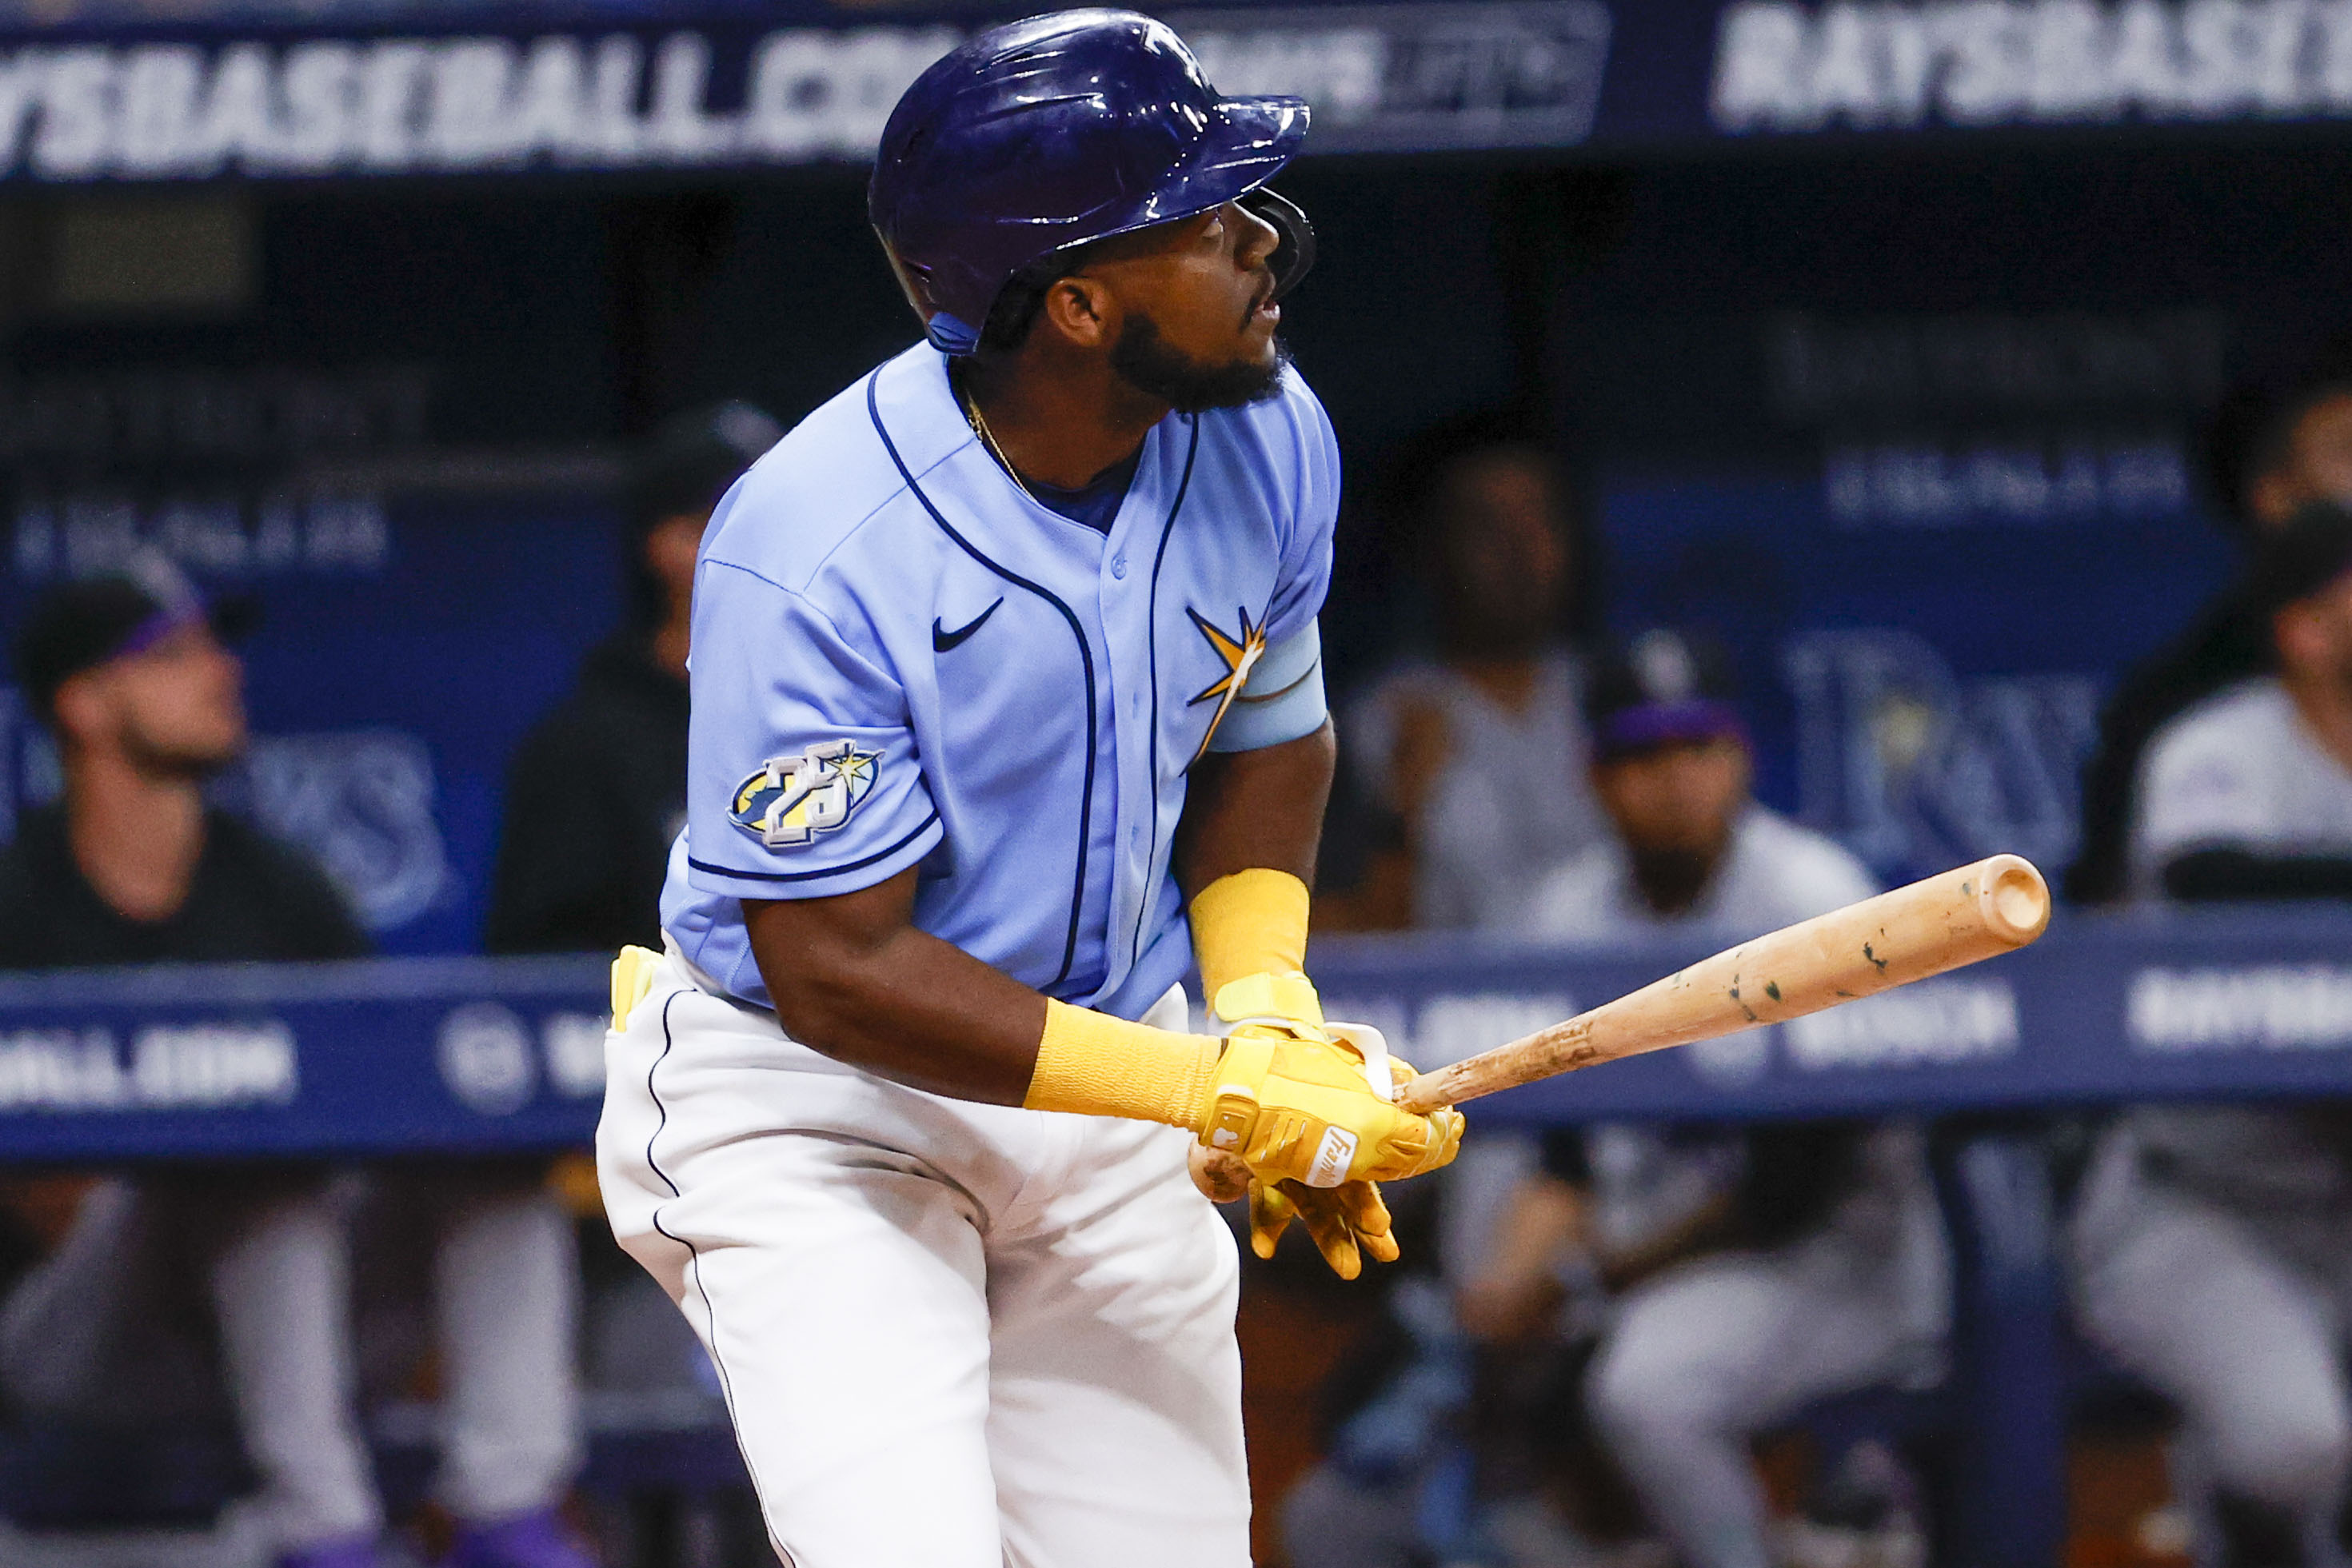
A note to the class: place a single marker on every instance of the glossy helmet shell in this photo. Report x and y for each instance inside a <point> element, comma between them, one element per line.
<point>1045,135</point>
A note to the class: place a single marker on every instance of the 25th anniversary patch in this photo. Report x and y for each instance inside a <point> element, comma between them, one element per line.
<point>789,800</point>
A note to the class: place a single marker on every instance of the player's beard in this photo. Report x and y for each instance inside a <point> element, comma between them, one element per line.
<point>1146,362</point>
<point>1671,879</point>
<point>166,757</point>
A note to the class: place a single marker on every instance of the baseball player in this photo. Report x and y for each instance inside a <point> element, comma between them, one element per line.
<point>1007,709</point>
<point>2213,1244</point>
<point>1843,1281</point>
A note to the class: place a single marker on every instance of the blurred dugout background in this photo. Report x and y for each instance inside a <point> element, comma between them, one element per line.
<point>1879,342</point>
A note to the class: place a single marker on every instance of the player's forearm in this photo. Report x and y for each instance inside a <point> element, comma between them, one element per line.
<point>1244,810</point>
<point>897,1001</point>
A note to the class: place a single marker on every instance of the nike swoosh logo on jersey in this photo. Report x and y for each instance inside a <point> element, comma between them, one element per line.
<point>943,640</point>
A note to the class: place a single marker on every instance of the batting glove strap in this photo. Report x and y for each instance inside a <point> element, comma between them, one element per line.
<point>1282,1001</point>
<point>1301,1109</point>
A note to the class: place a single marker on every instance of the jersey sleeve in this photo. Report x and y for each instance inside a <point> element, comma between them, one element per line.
<point>2200,792</point>
<point>1305,572</point>
<point>803,780</point>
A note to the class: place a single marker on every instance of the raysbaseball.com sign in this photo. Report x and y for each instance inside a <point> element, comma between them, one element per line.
<point>1380,77</point>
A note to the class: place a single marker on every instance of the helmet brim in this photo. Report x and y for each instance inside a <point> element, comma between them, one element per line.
<point>1248,141</point>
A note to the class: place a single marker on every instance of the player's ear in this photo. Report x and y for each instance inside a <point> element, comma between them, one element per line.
<point>79,704</point>
<point>2298,634</point>
<point>1079,307</point>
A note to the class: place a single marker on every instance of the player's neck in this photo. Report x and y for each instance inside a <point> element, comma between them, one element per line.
<point>1059,419</point>
<point>2325,705</point>
<point>136,835</point>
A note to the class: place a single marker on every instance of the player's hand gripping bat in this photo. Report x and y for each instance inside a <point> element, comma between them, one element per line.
<point>1959,917</point>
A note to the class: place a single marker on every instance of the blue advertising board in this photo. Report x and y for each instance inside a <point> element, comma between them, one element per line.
<point>367,89</point>
<point>448,1054</point>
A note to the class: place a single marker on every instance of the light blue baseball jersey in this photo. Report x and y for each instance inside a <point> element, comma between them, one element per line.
<point>900,659</point>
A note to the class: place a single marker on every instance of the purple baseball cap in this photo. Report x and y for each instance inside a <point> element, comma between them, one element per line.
<point>92,621</point>
<point>1663,688</point>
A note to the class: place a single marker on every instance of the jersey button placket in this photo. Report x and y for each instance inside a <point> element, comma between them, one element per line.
<point>1118,566</point>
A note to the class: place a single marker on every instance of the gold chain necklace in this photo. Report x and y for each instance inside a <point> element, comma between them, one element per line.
<point>971,414</point>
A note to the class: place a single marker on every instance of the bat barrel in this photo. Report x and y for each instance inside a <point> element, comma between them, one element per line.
<point>1939,923</point>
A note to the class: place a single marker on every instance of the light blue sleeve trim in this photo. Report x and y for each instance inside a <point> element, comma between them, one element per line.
<point>1283,698</point>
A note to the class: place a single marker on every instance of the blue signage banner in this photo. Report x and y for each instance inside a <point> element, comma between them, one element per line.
<point>368,90</point>
<point>454,1054</point>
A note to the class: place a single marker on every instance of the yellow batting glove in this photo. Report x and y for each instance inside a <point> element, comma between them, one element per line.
<point>1305,1111</point>
<point>632,977</point>
<point>1345,1221</point>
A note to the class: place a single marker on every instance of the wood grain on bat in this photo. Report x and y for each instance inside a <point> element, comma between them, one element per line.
<point>1969,914</point>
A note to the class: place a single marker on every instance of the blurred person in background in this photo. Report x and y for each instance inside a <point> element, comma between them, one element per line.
<point>2275,446</point>
<point>131,866</point>
<point>1759,1272</point>
<point>2213,1245</point>
<point>1477,756</point>
<point>597,791</point>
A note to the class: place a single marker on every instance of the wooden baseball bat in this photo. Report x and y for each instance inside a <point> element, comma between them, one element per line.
<point>1959,917</point>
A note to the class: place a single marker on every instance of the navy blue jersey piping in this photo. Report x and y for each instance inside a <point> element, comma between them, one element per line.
<point>1086,658</point>
<point>693,1253</point>
<point>1151,736</point>
<point>882,854</point>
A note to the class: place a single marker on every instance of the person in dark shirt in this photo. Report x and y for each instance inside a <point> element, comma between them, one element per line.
<point>597,791</point>
<point>2275,449</point>
<point>131,866</point>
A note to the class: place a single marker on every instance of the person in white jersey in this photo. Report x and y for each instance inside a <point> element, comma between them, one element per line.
<point>1007,709</point>
<point>1477,755</point>
<point>2213,1244</point>
<point>1840,1276</point>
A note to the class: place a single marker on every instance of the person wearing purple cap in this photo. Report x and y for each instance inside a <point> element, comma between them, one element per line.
<point>1756,1272</point>
<point>128,674</point>
<point>1690,850</point>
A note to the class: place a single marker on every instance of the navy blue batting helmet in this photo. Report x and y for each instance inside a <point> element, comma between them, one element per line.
<point>1043,135</point>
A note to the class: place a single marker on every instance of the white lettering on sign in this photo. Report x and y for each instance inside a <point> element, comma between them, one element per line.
<point>1933,1023</point>
<point>1731,1060</point>
<point>161,111</point>
<point>1452,1028</point>
<point>2272,1007</point>
<point>486,1059</point>
<point>318,536</point>
<point>1923,485</point>
<point>574,1045</point>
<point>213,1065</point>
<point>1402,77</point>
<point>172,1067</point>
<point>1781,66</point>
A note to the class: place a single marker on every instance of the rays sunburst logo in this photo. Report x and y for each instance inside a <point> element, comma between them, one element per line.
<point>1240,655</point>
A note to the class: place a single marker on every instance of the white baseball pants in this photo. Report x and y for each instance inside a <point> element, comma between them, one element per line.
<point>98,1333</point>
<point>1706,1354</point>
<point>2237,1315</point>
<point>951,1335</point>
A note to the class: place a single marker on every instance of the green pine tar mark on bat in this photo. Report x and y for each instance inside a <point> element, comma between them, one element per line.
<point>1874,957</point>
<point>1772,989</point>
<point>1742,1004</point>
